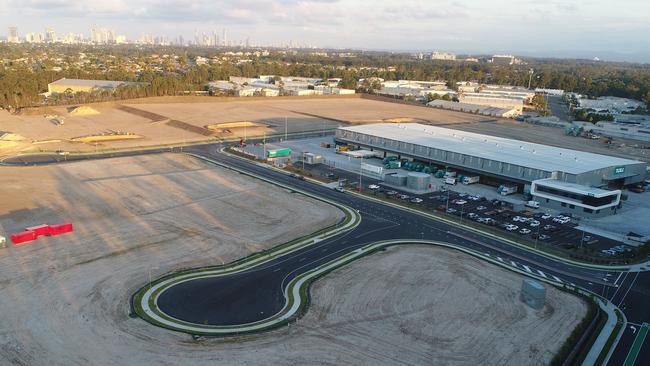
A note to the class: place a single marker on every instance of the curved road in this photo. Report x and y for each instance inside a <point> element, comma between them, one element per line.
<point>258,293</point>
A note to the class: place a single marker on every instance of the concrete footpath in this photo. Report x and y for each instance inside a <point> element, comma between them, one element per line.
<point>607,330</point>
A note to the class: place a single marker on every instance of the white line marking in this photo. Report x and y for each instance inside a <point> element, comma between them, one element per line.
<point>628,289</point>
<point>513,263</point>
<point>541,273</point>
<point>527,268</point>
<point>617,278</point>
<point>500,259</point>
<point>556,278</point>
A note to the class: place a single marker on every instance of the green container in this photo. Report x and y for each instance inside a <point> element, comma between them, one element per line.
<point>278,153</point>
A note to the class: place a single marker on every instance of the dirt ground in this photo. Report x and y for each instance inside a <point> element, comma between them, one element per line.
<point>65,300</point>
<point>301,114</point>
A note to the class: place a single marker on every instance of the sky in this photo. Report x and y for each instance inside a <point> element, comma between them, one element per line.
<point>614,30</point>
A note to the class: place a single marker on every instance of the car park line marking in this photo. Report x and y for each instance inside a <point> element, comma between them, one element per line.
<point>500,259</point>
<point>527,268</point>
<point>513,263</point>
<point>541,273</point>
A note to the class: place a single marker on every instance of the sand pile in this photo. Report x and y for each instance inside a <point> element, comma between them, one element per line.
<point>84,110</point>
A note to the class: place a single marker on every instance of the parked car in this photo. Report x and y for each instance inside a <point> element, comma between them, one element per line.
<point>391,193</point>
<point>546,216</point>
<point>511,227</point>
<point>534,223</point>
<point>541,236</point>
<point>416,200</point>
<point>481,208</point>
<point>524,231</point>
<point>472,215</point>
<point>459,202</point>
<point>451,210</point>
<point>373,186</point>
<point>550,227</point>
<point>339,189</point>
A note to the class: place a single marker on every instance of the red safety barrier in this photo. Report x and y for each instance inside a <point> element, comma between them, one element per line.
<point>24,237</point>
<point>61,229</point>
<point>40,230</point>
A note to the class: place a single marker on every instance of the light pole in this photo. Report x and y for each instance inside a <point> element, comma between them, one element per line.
<point>530,77</point>
<point>360,166</point>
<point>285,128</point>
<point>447,201</point>
<point>537,237</point>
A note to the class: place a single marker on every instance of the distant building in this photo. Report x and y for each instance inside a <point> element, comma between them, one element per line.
<point>12,36</point>
<point>558,92</point>
<point>442,56</point>
<point>610,104</point>
<point>493,100</point>
<point>475,108</point>
<point>503,59</point>
<point>79,85</point>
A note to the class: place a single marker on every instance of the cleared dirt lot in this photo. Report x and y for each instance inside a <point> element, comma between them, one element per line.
<point>63,296</point>
<point>155,119</point>
<point>65,299</point>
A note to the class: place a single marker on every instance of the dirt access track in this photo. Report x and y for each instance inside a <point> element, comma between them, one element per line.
<point>65,299</point>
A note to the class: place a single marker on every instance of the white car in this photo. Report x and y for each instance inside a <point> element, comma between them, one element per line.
<point>373,186</point>
<point>546,216</point>
<point>518,219</point>
<point>511,227</point>
<point>416,200</point>
<point>459,202</point>
<point>534,223</point>
<point>481,208</point>
<point>524,231</point>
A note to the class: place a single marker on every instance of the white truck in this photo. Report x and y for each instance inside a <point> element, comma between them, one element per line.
<point>506,190</point>
<point>471,180</point>
<point>450,175</point>
<point>450,180</point>
<point>532,204</point>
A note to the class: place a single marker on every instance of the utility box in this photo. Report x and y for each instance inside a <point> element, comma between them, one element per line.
<point>533,293</point>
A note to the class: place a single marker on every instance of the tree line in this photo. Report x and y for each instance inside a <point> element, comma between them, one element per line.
<point>21,84</point>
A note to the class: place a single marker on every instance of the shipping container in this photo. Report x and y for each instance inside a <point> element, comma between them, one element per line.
<point>23,237</point>
<point>278,153</point>
<point>40,230</point>
<point>61,229</point>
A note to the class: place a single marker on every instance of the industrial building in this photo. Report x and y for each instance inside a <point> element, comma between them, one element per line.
<point>572,181</point>
<point>475,108</point>
<point>80,85</point>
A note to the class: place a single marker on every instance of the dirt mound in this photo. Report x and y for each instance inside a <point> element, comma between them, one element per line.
<point>84,110</point>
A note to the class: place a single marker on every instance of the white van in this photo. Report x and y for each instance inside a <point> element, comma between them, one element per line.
<point>532,204</point>
<point>451,181</point>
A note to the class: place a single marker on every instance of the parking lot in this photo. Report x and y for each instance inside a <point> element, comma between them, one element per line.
<point>539,229</point>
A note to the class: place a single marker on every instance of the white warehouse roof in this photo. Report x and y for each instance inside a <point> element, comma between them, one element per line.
<point>526,154</point>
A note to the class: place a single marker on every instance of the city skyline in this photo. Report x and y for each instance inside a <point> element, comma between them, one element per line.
<point>582,29</point>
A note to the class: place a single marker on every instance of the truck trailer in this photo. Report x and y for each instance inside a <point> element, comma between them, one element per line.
<point>471,180</point>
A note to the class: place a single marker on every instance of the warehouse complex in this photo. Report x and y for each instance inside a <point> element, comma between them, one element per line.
<point>572,181</point>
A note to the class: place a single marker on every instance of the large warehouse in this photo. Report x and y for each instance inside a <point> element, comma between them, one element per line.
<point>569,180</point>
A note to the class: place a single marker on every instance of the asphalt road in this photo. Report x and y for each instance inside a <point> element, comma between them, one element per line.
<point>257,293</point>
<point>558,108</point>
